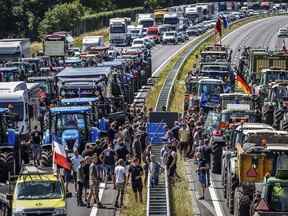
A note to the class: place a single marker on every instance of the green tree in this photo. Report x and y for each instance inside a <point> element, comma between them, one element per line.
<point>62,17</point>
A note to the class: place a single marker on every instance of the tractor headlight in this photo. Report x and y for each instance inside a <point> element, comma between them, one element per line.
<point>60,212</point>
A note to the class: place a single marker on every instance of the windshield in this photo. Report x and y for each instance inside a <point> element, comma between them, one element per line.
<point>136,31</point>
<point>39,190</point>
<point>280,92</point>
<point>271,76</point>
<point>210,57</point>
<point>138,42</point>
<point>212,121</point>
<point>146,23</point>
<point>238,116</point>
<point>210,89</point>
<point>152,32</point>
<point>18,108</point>
<point>279,197</point>
<point>70,121</point>
<point>171,21</point>
<point>220,68</point>
<point>118,29</point>
<point>8,76</point>
<point>239,100</point>
<point>170,34</point>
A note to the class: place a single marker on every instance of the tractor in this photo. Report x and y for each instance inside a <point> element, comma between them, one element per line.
<point>71,126</point>
<point>10,152</point>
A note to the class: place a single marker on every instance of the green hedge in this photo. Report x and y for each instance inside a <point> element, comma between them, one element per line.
<point>97,21</point>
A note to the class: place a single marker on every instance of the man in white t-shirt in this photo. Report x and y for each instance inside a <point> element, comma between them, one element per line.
<point>119,181</point>
<point>76,158</point>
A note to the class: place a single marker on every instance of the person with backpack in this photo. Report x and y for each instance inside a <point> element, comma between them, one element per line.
<point>202,173</point>
<point>108,156</point>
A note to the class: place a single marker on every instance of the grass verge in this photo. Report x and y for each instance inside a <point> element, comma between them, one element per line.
<point>36,46</point>
<point>180,197</point>
<point>131,207</point>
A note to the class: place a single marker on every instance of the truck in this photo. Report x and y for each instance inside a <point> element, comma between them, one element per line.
<point>153,34</point>
<point>172,19</point>
<point>146,20</point>
<point>57,44</point>
<point>135,31</point>
<point>15,49</point>
<point>92,41</point>
<point>118,32</point>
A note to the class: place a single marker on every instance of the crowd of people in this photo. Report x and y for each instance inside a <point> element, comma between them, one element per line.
<point>123,156</point>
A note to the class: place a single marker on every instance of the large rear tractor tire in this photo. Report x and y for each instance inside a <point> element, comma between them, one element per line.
<point>46,158</point>
<point>216,158</point>
<point>241,203</point>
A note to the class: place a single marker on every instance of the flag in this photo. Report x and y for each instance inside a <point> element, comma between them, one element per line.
<point>218,30</point>
<point>218,27</point>
<point>225,22</point>
<point>242,84</point>
<point>60,157</point>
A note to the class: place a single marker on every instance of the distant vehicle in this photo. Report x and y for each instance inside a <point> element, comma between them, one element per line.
<point>135,31</point>
<point>283,32</point>
<point>153,33</point>
<point>92,41</point>
<point>139,43</point>
<point>193,31</point>
<point>173,20</point>
<point>146,20</point>
<point>170,37</point>
<point>57,44</point>
<point>118,32</point>
<point>181,37</point>
<point>13,49</point>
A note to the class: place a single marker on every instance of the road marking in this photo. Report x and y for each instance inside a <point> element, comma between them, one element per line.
<point>155,73</point>
<point>94,210</point>
<point>215,200</point>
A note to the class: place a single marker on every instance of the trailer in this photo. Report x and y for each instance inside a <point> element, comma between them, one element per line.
<point>15,49</point>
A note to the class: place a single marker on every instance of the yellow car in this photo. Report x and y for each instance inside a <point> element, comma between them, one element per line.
<point>37,194</point>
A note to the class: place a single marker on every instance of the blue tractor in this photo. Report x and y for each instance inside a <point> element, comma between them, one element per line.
<point>10,152</point>
<point>71,126</point>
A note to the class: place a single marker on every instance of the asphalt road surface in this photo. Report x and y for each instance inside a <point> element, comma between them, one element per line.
<point>258,34</point>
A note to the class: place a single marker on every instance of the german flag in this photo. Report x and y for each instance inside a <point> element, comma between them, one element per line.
<point>242,84</point>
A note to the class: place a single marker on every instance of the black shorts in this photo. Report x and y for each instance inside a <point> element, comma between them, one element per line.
<point>137,186</point>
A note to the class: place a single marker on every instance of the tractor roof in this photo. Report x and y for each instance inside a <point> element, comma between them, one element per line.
<point>78,100</point>
<point>254,126</point>
<point>86,71</point>
<point>71,109</point>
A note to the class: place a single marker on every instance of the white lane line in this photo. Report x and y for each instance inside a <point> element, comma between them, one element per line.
<point>94,210</point>
<point>156,72</point>
<point>215,200</point>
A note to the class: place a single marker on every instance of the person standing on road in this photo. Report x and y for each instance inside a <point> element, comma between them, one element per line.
<point>154,168</point>
<point>184,136</point>
<point>202,173</point>
<point>119,181</point>
<point>136,172</point>
<point>76,158</point>
<point>108,156</point>
<point>80,182</point>
<point>122,150</point>
<point>93,185</point>
<point>36,142</point>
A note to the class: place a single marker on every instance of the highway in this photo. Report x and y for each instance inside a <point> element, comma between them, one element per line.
<point>261,33</point>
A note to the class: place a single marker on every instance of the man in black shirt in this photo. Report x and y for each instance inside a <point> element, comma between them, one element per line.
<point>136,172</point>
<point>122,150</point>
<point>36,141</point>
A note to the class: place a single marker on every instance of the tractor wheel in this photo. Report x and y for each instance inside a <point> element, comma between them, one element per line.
<point>241,203</point>
<point>3,167</point>
<point>224,181</point>
<point>46,158</point>
<point>230,194</point>
<point>10,159</point>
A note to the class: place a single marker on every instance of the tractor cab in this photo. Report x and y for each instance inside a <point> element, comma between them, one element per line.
<point>10,152</point>
<point>71,126</point>
<point>215,53</point>
<point>98,108</point>
<point>9,74</point>
<point>209,91</point>
<point>235,98</point>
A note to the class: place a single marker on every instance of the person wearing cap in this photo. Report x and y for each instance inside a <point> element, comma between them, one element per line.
<point>119,180</point>
<point>80,182</point>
